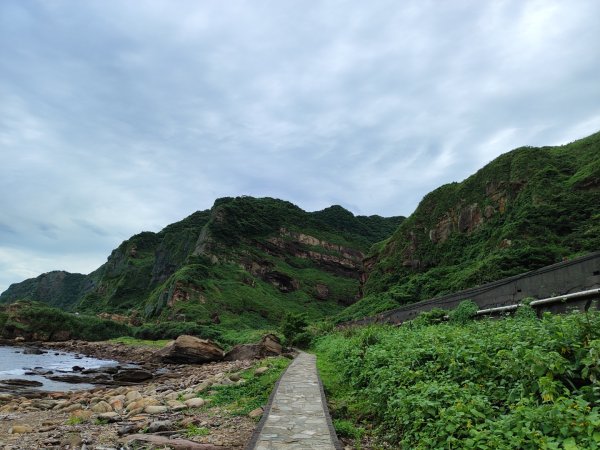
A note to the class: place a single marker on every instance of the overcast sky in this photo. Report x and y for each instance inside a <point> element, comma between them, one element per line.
<point>123,116</point>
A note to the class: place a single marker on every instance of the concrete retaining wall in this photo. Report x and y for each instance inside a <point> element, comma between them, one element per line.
<point>566,277</point>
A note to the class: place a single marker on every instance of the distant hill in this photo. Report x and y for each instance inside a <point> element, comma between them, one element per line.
<point>58,288</point>
<point>247,261</point>
<point>241,265</point>
<point>526,209</point>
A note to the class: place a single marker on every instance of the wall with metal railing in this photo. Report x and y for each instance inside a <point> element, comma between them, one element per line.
<point>560,287</point>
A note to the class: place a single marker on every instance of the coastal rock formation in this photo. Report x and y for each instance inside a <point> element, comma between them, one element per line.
<point>190,350</point>
<point>269,345</point>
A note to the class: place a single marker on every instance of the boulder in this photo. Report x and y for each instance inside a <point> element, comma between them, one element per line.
<point>269,345</point>
<point>19,382</point>
<point>18,429</point>
<point>256,412</point>
<point>67,378</point>
<point>101,407</point>
<point>260,371</point>
<point>162,441</point>
<point>132,396</point>
<point>155,409</point>
<point>33,351</point>
<point>190,350</point>
<point>132,375</point>
<point>110,416</point>
<point>160,425</point>
<point>194,402</point>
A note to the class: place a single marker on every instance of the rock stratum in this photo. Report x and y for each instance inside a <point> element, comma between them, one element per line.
<point>240,265</point>
<point>528,208</point>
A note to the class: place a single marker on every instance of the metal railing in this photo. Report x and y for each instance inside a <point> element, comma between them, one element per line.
<point>544,301</point>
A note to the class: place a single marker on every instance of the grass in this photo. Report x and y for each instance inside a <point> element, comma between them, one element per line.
<point>134,342</point>
<point>74,420</point>
<point>240,399</point>
<point>193,430</point>
<point>492,384</point>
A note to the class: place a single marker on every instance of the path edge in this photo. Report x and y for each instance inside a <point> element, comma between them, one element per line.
<point>267,409</point>
<point>334,439</point>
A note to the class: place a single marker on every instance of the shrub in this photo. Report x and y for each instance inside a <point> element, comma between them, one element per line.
<point>493,384</point>
<point>292,325</point>
<point>464,312</point>
<point>44,321</point>
<point>436,315</point>
<point>526,312</point>
<point>302,340</point>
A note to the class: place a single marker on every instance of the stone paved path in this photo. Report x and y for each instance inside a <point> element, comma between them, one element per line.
<point>296,419</point>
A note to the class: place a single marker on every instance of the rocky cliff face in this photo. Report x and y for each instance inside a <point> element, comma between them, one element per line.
<point>528,208</point>
<point>244,258</point>
<point>56,288</point>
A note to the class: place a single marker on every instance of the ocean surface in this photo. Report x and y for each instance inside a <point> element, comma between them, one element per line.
<point>14,364</point>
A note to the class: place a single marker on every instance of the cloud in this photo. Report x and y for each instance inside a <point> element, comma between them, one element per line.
<point>118,117</point>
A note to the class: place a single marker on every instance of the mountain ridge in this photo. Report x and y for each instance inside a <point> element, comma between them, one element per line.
<point>240,265</point>
<point>529,207</point>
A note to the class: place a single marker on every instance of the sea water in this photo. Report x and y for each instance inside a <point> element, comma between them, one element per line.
<point>14,364</point>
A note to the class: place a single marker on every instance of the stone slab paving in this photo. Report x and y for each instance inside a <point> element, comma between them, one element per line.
<point>297,418</point>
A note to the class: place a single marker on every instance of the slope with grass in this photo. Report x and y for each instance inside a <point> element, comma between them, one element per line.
<point>515,383</point>
<point>528,208</point>
<point>236,268</point>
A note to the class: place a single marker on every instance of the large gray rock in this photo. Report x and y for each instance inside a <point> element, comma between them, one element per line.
<point>190,350</point>
<point>20,382</point>
<point>269,345</point>
<point>33,351</point>
<point>132,375</point>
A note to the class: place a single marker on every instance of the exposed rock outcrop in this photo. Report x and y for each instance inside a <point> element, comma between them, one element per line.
<point>190,350</point>
<point>270,345</point>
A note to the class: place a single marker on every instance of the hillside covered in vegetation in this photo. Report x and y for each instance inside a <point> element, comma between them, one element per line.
<point>528,208</point>
<point>240,266</point>
<point>517,383</point>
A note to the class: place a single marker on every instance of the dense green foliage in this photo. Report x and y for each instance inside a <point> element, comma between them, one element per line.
<point>494,384</point>
<point>240,399</point>
<point>59,289</point>
<point>528,208</point>
<point>230,273</point>
<point>39,321</point>
<point>294,330</point>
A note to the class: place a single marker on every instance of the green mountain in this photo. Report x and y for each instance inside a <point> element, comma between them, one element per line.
<point>239,266</point>
<point>526,209</point>
<point>58,288</point>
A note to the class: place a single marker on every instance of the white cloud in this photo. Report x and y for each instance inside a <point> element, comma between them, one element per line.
<point>116,117</point>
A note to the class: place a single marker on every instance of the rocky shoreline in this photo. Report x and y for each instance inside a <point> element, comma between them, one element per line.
<point>171,409</point>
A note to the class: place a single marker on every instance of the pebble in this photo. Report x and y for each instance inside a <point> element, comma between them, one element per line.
<point>18,429</point>
<point>117,402</point>
<point>155,409</point>
<point>110,416</point>
<point>101,407</point>
<point>256,413</point>
<point>133,395</point>
<point>260,371</point>
<point>176,405</point>
<point>160,425</point>
<point>150,401</point>
<point>194,402</point>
